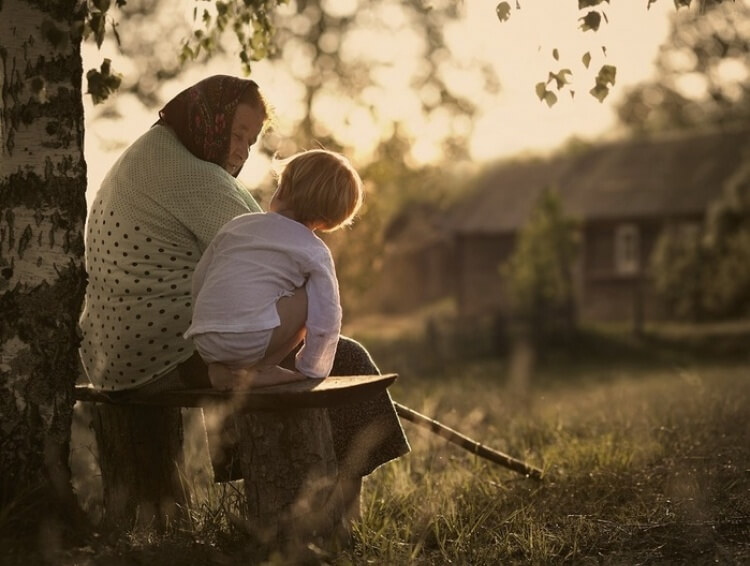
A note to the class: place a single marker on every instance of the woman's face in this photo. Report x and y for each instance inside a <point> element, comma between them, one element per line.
<point>246,126</point>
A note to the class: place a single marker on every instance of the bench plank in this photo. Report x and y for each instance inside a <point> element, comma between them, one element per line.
<point>310,393</point>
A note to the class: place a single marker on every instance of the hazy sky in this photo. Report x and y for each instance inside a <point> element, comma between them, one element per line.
<point>510,122</point>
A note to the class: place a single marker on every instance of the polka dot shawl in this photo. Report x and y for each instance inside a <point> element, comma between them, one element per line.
<point>155,213</point>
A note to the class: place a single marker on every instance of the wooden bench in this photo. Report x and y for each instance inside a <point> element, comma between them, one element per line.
<point>286,453</point>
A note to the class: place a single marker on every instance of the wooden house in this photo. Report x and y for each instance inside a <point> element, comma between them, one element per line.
<point>623,194</point>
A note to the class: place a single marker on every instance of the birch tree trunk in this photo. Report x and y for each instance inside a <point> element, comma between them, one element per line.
<point>42,276</point>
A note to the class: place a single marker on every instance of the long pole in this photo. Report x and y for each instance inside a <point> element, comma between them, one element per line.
<point>467,443</point>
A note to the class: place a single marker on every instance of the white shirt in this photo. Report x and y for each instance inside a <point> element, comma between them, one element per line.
<point>252,262</point>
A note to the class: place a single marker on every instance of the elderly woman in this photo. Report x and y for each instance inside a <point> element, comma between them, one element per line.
<point>155,213</point>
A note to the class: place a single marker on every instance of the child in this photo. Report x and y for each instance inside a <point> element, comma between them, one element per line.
<point>249,313</point>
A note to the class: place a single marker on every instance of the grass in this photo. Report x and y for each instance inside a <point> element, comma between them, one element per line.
<point>648,468</point>
<point>645,448</point>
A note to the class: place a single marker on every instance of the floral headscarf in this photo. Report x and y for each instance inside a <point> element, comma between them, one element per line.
<point>202,114</point>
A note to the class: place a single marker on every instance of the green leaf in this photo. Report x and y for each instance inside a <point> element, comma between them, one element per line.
<point>607,74</point>
<point>541,90</point>
<point>503,11</point>
<point>586,59</point>
<point>545,95</point>
<point>591,21</point>
<point>97,23</point>
<point>103,82</point>
<point>604,79</point>
<point>583,4</point>
<point>102,5</point>
<point>599,92</point>
<point>186,53</point>
<point>116,33</point>
<point>560,78</point>
<point>555,54</point>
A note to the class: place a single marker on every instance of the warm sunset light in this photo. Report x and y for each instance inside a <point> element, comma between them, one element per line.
<point>398,282</point>
<point>510,119</point>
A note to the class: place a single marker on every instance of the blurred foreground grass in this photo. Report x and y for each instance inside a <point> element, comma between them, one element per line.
<point>645,447</point>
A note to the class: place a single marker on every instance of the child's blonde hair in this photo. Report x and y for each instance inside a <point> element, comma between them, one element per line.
<point>320,186</point>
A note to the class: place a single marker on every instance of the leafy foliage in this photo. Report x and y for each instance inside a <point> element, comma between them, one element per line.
<point>539,273</point>
<point>604,79</point>
<point>591,20</point>
<point>503,11</point>
<point>253,24</point>
<point>249,20</point>
<point>394,190</point>
<point>707,275</point>
<point>103,82</point>
<point>703,73</point>
<point>309,40</point>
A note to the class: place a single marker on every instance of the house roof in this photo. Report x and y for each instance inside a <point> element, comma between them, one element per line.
<point>672,175</point>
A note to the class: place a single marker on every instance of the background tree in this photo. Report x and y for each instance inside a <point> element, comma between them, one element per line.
<point>343,56</point>
<point>394,192</point>
<point>702,73</point>
<point>539,274</point>
<point>706,274</point>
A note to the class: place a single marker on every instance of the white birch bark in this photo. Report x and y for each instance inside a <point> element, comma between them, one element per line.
<point>42,216</point>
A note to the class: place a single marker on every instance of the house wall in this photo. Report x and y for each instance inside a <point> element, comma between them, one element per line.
<point>479,287</point>
<point>602,293</point>
<point>608,294</point>
<point>414,278</point>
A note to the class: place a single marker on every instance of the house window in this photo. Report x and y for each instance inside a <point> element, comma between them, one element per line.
<point>627,249</point>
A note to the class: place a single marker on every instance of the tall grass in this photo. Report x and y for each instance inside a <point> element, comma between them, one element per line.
<point>646,462</point>
<point>653,467</point>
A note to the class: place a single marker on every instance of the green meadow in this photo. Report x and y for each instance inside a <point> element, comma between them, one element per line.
<point>644,443</point>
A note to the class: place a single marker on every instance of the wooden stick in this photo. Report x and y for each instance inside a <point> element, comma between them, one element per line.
<point>467,443</point>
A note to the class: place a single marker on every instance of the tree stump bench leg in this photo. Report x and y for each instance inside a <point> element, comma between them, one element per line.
<point>291,478</point>
<point>140,453</point>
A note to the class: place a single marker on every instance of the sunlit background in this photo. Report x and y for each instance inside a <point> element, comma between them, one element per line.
<point>463,271</point>
<point>430,97</point>
<point>488,68</point>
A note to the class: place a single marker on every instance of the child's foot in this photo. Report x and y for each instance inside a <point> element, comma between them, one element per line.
<point>275,375</point>
<point>225,378</point>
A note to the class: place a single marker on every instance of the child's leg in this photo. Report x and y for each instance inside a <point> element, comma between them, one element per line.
<point>284,338</point>
<point>288,335</point>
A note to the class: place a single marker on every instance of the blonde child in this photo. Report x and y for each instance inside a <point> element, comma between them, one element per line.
<point>266,281</point>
